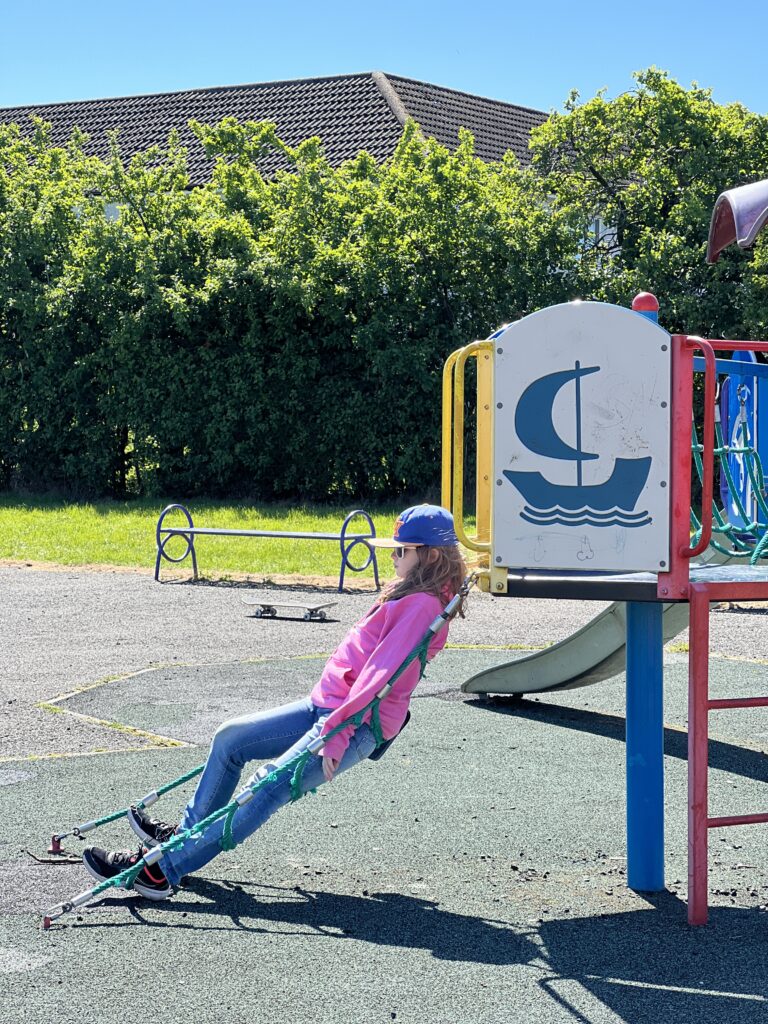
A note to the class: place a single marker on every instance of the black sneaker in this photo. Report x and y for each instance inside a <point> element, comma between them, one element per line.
<point>150,830</point>
<point>150,881</point>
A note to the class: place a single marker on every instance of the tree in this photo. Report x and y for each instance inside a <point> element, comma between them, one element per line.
<point>650,165</point>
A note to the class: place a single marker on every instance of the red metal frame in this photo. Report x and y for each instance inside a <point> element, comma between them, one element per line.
<point>698,754</point>
<point>708,455</point>
<point>676,584</point>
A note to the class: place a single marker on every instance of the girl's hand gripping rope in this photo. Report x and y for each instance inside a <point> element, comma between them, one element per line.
<point>330,764</point>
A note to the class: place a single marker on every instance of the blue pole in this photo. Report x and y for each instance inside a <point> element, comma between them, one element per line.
<point>645,747</point>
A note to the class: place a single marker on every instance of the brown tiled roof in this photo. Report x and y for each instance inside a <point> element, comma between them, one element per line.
<point>348,112</point>
<point>496,126</point>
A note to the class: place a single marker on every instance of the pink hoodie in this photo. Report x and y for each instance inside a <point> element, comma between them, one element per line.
<point>366,659</point>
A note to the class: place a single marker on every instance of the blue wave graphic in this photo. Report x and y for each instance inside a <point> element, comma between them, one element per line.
<point>585,510</point>
<point>556,516</point>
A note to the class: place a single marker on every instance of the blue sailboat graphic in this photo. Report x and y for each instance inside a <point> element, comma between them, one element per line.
<point>611,503</point>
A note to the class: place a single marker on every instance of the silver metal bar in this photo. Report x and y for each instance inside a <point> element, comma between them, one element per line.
<point>58,911</point>
<point>84,897</point>
<point>80,829</point>
<point>438,623</point>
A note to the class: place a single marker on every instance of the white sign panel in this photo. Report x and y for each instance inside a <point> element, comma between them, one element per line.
<point>581,441</point>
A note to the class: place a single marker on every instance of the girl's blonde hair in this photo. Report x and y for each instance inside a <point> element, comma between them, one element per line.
<point>439,571</point>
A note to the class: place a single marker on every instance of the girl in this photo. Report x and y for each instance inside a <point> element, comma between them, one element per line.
<point>429,570</point>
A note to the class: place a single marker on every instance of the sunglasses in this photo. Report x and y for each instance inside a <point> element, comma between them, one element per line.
<point>400,552</point>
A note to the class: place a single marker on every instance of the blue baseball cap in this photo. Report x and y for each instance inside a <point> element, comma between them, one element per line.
<point>420,525</point>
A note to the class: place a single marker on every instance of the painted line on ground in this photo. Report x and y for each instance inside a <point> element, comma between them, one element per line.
<point>131,730</point>
<point>156,741</point>
<point>62,755</point>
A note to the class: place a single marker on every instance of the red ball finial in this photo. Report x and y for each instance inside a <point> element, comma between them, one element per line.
<point>645,302</point>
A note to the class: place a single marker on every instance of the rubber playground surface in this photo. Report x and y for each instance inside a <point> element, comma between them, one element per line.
<point>476,873</point>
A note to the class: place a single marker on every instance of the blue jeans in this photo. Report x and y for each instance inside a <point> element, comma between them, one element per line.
<point>276,736</point>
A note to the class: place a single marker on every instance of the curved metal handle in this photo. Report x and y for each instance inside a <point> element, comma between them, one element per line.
<point>708,442</point>
<point>445,488</point>
<point>457,503</point>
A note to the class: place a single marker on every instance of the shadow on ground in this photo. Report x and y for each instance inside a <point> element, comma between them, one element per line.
<point>653,967</point>
<point>314,585</point>
<point>646,966</point>
<point>727,757</point>
<point>384,918</point>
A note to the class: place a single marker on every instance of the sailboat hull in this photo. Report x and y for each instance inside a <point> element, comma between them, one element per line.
<point>611,503</point>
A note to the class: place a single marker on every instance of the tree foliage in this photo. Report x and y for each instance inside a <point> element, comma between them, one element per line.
<point>650,165</point>
<point>285,337</point>
<point>270,338</point>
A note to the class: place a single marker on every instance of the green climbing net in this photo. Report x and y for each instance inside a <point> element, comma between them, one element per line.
<point>295,767</point>
<point>748,539</point>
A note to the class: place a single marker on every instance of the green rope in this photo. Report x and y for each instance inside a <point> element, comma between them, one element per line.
<point>297,776</point>
<point>759,549</point>
<point>376,725</point>
<point>227,841</point>
<point>721,527</point>
<point>126,878</point>
<point>732,488</point>
<point>741,538</point>
<point>178,782</point>
<point>419,651</point>
<point>295,766</point>
<point>756,478</point>
<point>160,792</point>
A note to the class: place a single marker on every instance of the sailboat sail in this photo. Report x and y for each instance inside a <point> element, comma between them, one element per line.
<point>611,503</point>
<point>533,417</point>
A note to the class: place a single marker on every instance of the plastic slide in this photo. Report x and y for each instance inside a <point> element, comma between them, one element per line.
<point>591,654</point>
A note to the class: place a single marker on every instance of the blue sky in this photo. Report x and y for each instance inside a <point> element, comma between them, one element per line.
<point>528,53</point>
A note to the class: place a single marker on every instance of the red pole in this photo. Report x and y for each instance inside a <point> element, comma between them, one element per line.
<point>674,584</point>
<point>698,753</point>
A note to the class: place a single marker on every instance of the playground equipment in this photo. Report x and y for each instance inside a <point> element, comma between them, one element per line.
<point>597,651</point>
<point>738,216</point>
<point>594,653</point>
<point>264,776</point>
<point>624,535</point>
<point>584,466</point>
<point>188,532</point>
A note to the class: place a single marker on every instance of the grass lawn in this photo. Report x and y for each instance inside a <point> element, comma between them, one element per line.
<point>123,533</point>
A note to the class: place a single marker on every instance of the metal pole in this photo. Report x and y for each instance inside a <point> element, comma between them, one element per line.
<point>698,754</point>
<point>446,494</point>
<point>645,747</point>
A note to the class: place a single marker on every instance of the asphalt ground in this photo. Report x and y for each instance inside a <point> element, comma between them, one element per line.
<point>476,873</point>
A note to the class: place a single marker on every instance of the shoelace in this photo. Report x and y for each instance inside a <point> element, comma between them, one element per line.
<point>125,858</point>
<point>162,830</point>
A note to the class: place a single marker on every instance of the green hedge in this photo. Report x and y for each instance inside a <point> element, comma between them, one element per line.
<point>257,338</point>
<point>285,338</point>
